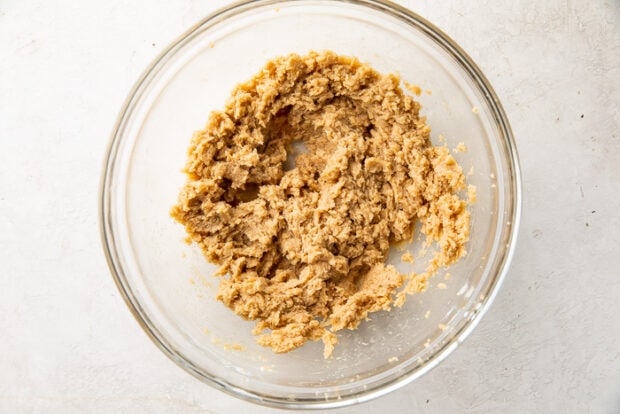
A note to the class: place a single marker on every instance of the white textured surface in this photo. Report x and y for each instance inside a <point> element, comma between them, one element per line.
<point>551,341</point>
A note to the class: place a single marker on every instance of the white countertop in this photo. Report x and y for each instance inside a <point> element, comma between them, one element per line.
<point>550,342</point>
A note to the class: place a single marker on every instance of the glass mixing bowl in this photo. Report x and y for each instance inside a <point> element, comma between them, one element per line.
<point>168,285</point>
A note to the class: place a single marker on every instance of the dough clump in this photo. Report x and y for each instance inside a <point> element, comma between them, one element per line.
<point>301,248</point>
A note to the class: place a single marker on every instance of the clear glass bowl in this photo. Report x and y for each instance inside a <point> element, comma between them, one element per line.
<point>167,284</point>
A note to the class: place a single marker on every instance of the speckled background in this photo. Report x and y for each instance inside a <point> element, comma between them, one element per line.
<point>551,341</point>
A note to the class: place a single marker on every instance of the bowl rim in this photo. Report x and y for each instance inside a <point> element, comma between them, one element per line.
<point>113,258</point>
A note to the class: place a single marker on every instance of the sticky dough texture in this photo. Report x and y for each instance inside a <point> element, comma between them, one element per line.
<point>302,251</point>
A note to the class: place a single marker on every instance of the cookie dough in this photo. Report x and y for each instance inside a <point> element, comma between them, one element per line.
<point>302,244</point>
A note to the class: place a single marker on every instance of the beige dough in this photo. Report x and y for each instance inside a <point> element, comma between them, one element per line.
<point>302,251</point>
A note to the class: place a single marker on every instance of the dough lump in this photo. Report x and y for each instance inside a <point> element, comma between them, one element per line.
<point>301,248</point>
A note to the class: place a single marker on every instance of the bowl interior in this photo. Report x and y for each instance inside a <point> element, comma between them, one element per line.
<point>170,282</point>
